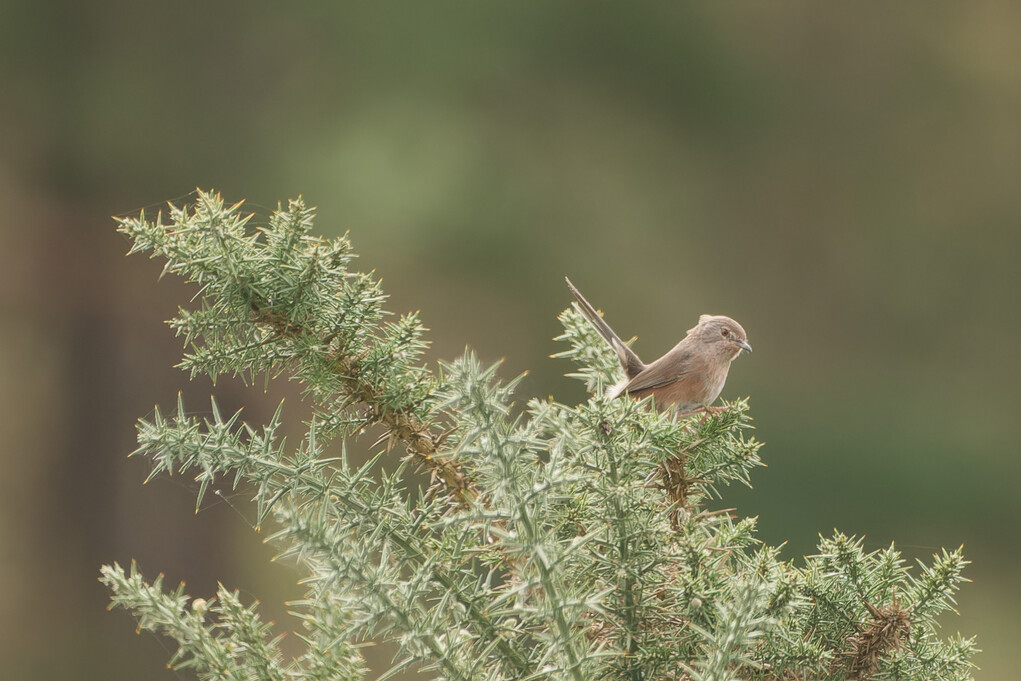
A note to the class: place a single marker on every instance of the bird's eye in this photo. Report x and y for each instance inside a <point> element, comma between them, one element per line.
<point>725,331</point>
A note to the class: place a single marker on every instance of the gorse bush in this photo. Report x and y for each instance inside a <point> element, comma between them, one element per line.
<point>550,541</point>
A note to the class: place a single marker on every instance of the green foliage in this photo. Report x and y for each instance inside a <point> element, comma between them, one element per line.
<point>553,541</point>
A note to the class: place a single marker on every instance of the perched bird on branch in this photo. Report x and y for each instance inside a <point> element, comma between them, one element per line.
<point>687,378</point>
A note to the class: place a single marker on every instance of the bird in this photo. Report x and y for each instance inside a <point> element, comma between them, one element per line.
<point>690,376</point>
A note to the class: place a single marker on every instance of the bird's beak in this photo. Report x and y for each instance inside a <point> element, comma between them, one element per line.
<point>744,345</point>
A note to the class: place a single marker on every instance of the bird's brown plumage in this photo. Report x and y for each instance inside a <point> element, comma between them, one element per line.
<point>689,376</point>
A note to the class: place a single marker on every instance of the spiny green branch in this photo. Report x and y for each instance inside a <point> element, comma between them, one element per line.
<point>276,299</point>
<point>221,638</point>
<point>571,542</point>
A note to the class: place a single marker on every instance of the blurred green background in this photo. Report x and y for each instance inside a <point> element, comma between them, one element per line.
<point>840,178</point>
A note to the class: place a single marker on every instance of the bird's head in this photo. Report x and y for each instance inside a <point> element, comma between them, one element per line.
<point>722,334</point>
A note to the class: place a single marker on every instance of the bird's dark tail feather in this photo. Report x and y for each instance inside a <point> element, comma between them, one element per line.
<point>628,359</point>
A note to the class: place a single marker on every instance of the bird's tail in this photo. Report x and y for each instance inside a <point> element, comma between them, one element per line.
<point>628,359</point>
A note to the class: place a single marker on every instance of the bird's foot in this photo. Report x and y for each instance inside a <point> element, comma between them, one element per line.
<point>706,411</point>
<point>710,410</point>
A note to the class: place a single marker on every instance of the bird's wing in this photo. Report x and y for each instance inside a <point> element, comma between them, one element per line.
<point>631,363</point>
<point>668,369</point>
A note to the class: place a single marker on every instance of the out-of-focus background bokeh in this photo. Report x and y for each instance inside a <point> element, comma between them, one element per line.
<point>841,179</point>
